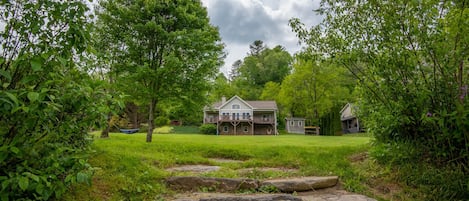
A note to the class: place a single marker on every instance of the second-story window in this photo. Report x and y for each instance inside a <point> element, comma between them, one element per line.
<point>235,106</point>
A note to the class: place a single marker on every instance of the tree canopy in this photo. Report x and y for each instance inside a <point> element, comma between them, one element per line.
<point>410,58</point>
<point>169,49</point>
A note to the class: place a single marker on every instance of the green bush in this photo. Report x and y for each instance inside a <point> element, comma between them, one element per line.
<point>209,129</point>
<point>162,121</point>
<point>47,103</point>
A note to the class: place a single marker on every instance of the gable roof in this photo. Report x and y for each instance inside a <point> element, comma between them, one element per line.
<point>231,99</point>
<point>255,105</point>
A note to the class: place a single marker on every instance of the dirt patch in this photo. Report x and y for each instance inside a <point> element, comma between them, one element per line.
<point>359,157</point>
<point>194,168</point>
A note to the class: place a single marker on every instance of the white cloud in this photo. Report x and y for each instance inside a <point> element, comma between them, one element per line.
<point>243,21</point>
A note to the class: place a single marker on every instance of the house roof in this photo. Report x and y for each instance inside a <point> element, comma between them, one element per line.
<point>263,105</point>
<point>295,118</point>
<point>255,105</point>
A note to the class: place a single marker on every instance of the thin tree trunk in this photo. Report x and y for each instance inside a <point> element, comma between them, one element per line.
<point>105,132</point>
<point>151,118</point>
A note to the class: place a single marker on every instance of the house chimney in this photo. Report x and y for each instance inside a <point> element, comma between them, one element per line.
<point>223,99</point>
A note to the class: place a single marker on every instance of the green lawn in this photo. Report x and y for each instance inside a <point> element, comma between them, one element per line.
<point>129,168</point>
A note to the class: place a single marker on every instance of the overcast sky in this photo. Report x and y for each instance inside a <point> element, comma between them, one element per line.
<point>241,22</point>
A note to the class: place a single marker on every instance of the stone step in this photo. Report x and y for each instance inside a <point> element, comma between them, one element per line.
<point>191,183</point>
<point>320,195</point>
<point>301,184</point>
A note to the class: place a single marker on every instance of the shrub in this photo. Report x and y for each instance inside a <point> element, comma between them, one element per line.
<point>161,121</point>
<point>47,103</point>
<point>209,129</point>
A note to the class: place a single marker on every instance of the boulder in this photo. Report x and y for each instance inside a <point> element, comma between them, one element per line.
<point>278,197</point>
<point>301,184</point>
<point>211,184</point>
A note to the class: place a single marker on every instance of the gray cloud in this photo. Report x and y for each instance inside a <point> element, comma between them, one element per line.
<point>239,23</point>
<point>242,21</point>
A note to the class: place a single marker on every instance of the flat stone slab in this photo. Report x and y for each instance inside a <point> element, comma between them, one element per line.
<point>267,169</point>
<point>194,168</point>
<point>333,195</point>
<point>236,197</point>
<point>329,195</point>
<point>302,184</point>
<point>211,184</point>
<point>275,197</point>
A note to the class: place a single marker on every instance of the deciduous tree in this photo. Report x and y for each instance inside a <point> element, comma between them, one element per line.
<point>170,49</point>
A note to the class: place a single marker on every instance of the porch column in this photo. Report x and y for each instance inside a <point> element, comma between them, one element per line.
<point>275,122</point>
<point>358,125</point>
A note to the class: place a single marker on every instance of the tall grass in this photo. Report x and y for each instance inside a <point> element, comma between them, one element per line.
<point>130,168</point>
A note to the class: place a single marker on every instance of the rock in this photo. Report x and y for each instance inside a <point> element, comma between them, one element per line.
<point>336,197</point>
<point>277,197</point>
<point>301,184</point>
<point>211,184</point>
<point>194,168</point>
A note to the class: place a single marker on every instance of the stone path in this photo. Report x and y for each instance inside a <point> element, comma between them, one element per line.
<point>305,188</point>
<point>228,189</point>
<point>194,168</point>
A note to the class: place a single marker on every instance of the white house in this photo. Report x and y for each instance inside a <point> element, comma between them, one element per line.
<point>239,117</point>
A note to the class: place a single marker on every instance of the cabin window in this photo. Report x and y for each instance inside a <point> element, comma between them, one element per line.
<point>265,117</point>
<point>245,129</point>
<point>235,106</point>
<point>291,123</point>
<point>237,116</point>
<point>244,115</point>
<point>299,123</point>
<point>225,129</point>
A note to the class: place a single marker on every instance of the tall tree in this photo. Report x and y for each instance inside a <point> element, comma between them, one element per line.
<point>170,49</point>
<point>256,48</point>
<point>267,65</point>
<point>313,88</point>
<point>234,72</point>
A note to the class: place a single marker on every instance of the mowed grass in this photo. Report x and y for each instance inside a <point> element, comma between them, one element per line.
<point>128,168</point>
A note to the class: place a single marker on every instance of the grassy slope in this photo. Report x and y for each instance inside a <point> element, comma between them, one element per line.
<point>129,168</point>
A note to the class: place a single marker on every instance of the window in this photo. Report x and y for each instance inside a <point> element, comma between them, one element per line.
<point>225,129</point>
<point>237,116</point>
<point>245,129</point>
<point>291,123</point>
<point>299,123</point>
<point>244,115</point>
<point>235,106</point>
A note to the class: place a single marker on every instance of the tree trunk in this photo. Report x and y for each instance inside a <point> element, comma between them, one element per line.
<point>151,118</point>
<point>105,132</point>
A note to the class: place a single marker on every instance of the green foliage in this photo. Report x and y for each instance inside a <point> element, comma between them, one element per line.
<point>161,121</point>
<point>160,58</point>
<point>210,129</point>
<point>410,59</point>
<point>47,103</point>
<point>313,89</point>
<point>261,66</point>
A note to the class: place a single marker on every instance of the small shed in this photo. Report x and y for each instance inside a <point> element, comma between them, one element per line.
<point>349,119</point>
<point>295,125</point>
